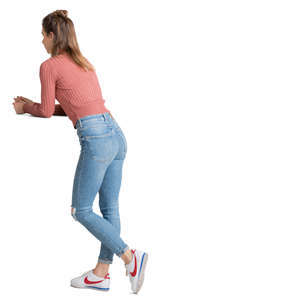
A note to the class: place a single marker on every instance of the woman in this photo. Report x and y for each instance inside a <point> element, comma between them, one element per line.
<point>70,78</point>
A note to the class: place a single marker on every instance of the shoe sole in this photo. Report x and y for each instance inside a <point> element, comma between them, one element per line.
<point>91,287</point>
<point>142,272</point>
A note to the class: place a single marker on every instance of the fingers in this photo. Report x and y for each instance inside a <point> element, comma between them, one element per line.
<point>23,98</point>
<point>19,99</point>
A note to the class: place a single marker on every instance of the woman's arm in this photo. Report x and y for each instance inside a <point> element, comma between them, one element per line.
<point>47,107</point>
<point>59,110</point>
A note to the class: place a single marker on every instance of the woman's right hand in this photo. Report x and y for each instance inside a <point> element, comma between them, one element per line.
<point>23,99</point>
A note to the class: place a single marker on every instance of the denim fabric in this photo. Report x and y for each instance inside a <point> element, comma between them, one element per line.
<point>99,171</point>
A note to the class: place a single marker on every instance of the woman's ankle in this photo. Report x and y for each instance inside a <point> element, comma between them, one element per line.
<point>101,269</point>
<point>127,256</point>
<point>100,272</point>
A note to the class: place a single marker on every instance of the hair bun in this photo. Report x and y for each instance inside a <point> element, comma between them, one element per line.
<point>61,12</point>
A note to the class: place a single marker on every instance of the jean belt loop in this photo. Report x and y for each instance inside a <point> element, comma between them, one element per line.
<point>80,124</point>
<point>104,117</point>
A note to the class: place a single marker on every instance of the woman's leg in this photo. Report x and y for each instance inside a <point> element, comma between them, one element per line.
<point>96,156</point>
<point>109,206</point>
<point>109,203</point>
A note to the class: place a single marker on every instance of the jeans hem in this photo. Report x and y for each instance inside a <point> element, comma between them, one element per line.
<point>123,251</point>
<point>105,261</point>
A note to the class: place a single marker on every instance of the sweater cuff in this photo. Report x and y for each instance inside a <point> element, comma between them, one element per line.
<point>30,108</point>
<point>25,108</point>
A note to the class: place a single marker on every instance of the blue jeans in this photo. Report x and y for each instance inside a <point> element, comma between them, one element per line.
<point>99,170</point>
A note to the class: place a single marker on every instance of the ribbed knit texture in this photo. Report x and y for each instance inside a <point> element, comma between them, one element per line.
<point>78,91</point>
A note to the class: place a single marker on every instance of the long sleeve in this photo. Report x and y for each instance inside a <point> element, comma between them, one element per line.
<point>47,107</point>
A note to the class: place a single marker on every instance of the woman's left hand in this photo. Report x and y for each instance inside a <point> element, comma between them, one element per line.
<point>18,105</point>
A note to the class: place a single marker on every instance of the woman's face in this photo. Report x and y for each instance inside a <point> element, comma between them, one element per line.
<point>47,40</point>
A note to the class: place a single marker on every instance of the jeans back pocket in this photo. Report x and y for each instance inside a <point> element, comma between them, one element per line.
<point>95,129</point>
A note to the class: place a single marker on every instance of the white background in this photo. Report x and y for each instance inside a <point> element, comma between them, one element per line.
<point>207,94</point>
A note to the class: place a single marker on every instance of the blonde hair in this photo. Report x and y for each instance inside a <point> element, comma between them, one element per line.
<point>65,37</point>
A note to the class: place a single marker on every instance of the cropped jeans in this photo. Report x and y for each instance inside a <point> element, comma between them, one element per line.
<point>99,171</point>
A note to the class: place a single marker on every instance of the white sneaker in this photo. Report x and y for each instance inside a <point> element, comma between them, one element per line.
<point>91,280</point>
<point>136,269</point>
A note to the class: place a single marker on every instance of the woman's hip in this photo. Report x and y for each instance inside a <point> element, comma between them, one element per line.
<point>101,138</point>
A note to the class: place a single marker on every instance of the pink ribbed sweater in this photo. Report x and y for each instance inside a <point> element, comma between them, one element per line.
<point>78,91</point>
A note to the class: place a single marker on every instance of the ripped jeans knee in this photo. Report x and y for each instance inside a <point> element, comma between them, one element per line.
<point>82,214</point>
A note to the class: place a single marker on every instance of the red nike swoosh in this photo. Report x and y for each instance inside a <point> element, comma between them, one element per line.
<point>91,282</point>
<point>134,271</point>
